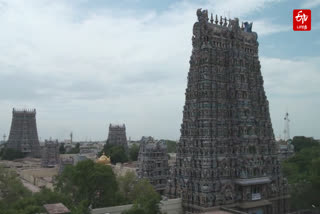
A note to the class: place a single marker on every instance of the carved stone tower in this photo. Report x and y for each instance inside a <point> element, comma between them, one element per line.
<point>117,136</point>
<point>50,154</point>
<point>227,153</point>
<point>153,163</point>
<point>23,133</point>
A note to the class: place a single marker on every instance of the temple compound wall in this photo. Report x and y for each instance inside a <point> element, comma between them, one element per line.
<point>171,206</point>
<point>227,154</point>
<point>23,135</point>
<point>117,136</point>
<point>153,163</point>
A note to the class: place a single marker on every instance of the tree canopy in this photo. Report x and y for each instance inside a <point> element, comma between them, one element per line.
<point>11,188</point>
<point>171,146</point>
<point>75,150</point>
<point>78,187</point>
<point>89,181</point>
<point>139,192</point>
<point>301,142</point>
<point>11,154</point>
<point>134,152</point>
<point>115,152</point>
<point>62,150</point>
<point>303,174</point>
<point>16,199</point>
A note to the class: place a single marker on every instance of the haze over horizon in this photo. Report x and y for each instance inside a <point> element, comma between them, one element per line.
<point>85,64</point>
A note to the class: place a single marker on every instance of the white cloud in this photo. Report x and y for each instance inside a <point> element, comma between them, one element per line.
<point>84,70</point>
<point>310,4</point>
<point>294,77</point>
<point>293,85</point>
<point>266,26</point>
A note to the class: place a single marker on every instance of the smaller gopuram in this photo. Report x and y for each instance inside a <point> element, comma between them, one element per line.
<point>153,163</point>
<point>65,162</point>
<point>23,135</point>
<point>50,154</point>
<point>117,136</point>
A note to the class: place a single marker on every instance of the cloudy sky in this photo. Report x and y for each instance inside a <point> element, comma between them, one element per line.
<point>86,63</point>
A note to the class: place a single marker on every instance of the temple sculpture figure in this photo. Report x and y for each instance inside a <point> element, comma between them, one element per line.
<point>227,154</point>
<point>23,135</point>
<point>153,163</point>
<point>117,136</point>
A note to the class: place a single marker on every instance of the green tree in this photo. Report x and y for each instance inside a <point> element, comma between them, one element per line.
<point>89,181</point>
<point>134,152</point>
<point>75,150</point>
<point>118,155</point>
<point>115,152</point>
<point>140,193</point>
<point>34,204</point>
<point>11,154</point>
<point>145,197</point>
<point>62,150</point>
<point>303,173</point>
<point>171,146</point>
<point>301,142</point>
<point>11,188</point>
<point>126,184</point>
<point>16,199</point>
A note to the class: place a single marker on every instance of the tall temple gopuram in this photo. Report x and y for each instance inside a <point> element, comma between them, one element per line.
<point>227,155</point>
<point>117,136</point>
<point>23,135</point>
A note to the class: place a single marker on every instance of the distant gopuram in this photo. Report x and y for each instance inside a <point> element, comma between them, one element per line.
<point>50,154</point>
<point>23,133</point>
<point>117,136</point>
<point>153,163</point>
<point>227,154</point>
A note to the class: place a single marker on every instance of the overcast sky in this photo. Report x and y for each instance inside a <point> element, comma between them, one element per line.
<point>86,63</point>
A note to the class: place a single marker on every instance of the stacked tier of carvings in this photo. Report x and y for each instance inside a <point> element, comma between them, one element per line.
<point>153,162</point>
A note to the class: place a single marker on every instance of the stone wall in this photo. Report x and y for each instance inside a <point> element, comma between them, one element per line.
<point>171,206</point>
